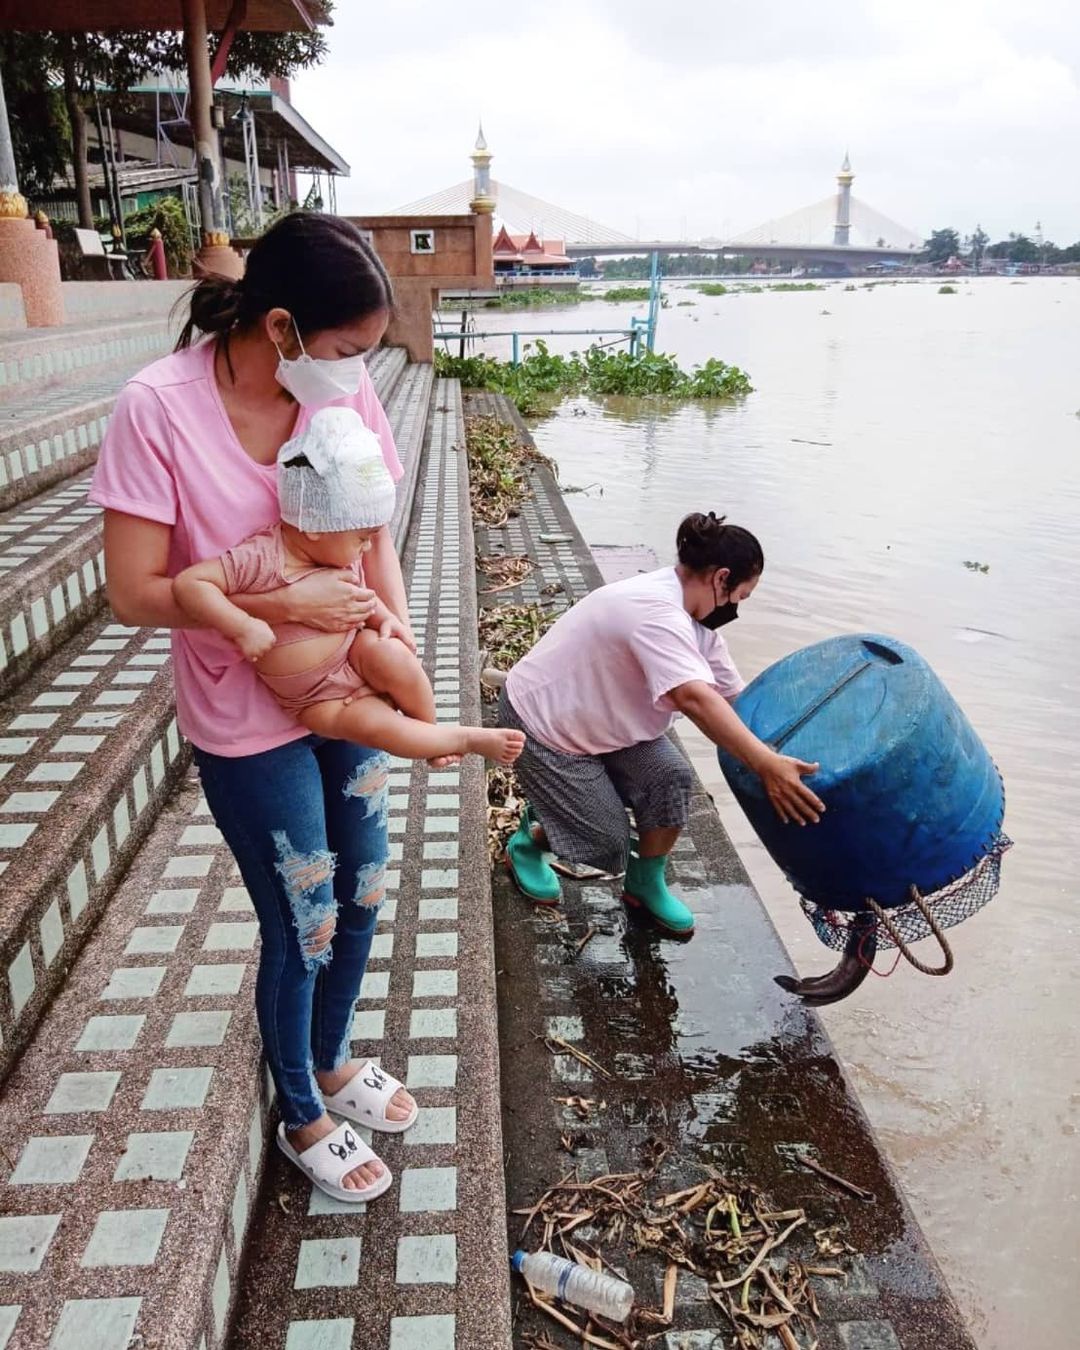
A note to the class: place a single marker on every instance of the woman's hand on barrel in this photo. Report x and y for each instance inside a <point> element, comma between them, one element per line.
<point>792,800</point>
<point>332,600</point>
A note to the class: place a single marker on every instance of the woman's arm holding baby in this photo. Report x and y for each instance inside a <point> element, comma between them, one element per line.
<point>200,591</point>
<point>137,553</point>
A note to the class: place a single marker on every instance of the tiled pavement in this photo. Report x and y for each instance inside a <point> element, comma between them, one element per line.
<point>425,1267</point>
<point>706,1054</point>
<point>50,575</point>
<point>49,432</point>
<point>113,1124</point>
<point>88,751</point>
<point>134,1124</point>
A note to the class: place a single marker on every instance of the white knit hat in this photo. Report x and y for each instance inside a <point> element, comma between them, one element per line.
<point>341,482</point>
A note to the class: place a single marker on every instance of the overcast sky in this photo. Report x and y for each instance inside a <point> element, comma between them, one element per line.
<point>686,118</point>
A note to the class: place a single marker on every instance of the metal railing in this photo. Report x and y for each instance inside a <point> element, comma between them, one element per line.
<point>640,332</point>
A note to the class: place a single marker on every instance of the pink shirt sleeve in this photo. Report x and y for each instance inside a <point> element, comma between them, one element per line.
<point>134,469</point>
<point>725,673</point>
<point>667,658</point>
<point>251,567</point>
<point>371,410</point>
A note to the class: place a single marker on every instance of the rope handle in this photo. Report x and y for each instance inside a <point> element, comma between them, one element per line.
<point>886,922</point>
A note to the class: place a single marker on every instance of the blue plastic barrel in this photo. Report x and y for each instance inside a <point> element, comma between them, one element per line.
<point>912,796</point>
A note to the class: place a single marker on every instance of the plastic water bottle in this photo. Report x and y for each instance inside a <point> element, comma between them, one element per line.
<point>588,1289</point>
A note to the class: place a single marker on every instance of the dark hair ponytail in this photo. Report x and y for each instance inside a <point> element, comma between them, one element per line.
<point>318,267</point>
<point>707,541</point>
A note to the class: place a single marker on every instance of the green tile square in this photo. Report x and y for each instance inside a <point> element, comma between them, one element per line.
<point>436,1125</point>
<point>369,1024</point>
<point>432,1071</point>
<point>9,1315</point>
<point>111,1033</point>
<point>435,984</point>
<point>328,1263</point>
<point>376,986</point>
<point>428,1189</point>
<point>24,1240</point>
<point>126,1237</point>
<point>427,1260</point>
<point>154,1156</point>
<point>160,938</point>
<point>176,1089</point>
<point>96,1324</point>
<point>429,1332</point>
<point>51,1160</point>
<point>134,982</point>
<point>436,944</point>
<point>331,1333</point>
<point>205,981</point>
<point>235,900</point>
<point>198,1028</point>
<point>179,900</point>
<point>231,937</point>
<point>433,1023</point>
<point>76,1092</point>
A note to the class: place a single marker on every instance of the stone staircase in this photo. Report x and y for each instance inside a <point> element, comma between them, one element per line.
<point>134,1105</point>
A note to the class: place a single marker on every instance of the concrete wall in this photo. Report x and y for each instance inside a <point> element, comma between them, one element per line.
<point>93,301</point>
<point>459,257</point>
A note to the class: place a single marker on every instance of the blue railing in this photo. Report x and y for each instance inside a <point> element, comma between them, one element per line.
<point>640,332</point>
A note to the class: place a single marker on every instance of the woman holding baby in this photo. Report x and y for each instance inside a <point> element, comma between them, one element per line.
<point>189,471</point>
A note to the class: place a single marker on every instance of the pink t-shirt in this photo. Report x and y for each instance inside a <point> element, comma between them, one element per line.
<point>599,678</point>
<point>171,455</point>
<point>258,565</point>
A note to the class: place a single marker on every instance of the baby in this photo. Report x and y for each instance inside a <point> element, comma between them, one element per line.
<point>335,493</point>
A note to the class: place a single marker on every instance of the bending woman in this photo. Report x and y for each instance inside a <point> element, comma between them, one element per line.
<point>189,469</point>
<point>596,697</point>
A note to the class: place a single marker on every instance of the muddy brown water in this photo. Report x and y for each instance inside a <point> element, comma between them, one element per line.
<point>894,434</point>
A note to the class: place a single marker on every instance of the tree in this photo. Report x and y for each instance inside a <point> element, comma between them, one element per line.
<point>977,246</point>
<point>941,246</point>
<point>36,115</point>
<point>49,126</point>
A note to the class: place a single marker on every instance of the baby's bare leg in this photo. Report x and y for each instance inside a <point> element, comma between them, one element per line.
<point>391,669</point>
<point>373,722</point>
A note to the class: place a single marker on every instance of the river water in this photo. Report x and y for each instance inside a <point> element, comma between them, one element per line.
<point>895,433</point>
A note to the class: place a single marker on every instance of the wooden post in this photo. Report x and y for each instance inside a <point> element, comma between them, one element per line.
<point>215,255</point>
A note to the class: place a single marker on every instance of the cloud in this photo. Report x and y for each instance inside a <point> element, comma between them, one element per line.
<point>693,118</point>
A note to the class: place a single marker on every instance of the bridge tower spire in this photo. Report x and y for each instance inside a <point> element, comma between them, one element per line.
<point>842,228</point>
<point>483,200</point>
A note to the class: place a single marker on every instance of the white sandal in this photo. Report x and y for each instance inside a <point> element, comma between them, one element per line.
<point>327,1163</point>
<point>364,1100</point>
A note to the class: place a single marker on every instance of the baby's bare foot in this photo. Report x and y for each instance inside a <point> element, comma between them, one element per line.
<point>502,746</point>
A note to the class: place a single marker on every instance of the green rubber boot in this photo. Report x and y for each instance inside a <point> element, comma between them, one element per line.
<point>525,859</point>
<point>645,888</point>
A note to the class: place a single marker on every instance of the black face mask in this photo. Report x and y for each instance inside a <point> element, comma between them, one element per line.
<point>721,615</point>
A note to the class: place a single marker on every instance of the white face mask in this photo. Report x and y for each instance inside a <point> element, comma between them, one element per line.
<point>314,382</point>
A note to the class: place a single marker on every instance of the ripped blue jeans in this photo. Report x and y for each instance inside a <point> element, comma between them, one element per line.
<point>307,825</point>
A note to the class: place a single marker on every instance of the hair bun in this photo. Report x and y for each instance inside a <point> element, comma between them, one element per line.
<point>707,540</point>
<point>216,302</point>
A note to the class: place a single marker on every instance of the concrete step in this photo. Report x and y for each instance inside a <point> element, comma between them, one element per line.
<point>46,434</point>
<point>386,366</point>
<point>430,1256</point>
<point>88,752</point>
<point>51,576</point>
<point>136,1116</point>
<point>102,301</point>
<point>41,358</point>
<point>134,1124</point>
<point>407,409</point>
